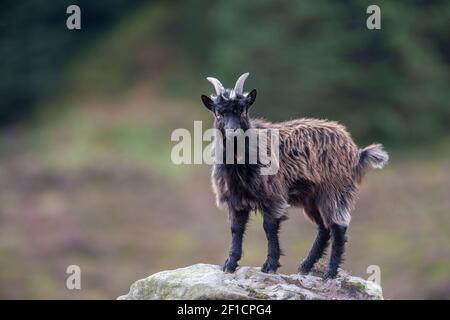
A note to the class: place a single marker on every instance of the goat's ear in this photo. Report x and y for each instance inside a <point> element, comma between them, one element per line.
<point>251,97</point>
<point>208,102</point>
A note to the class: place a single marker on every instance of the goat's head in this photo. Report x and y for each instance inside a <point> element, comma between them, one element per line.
<point>230,106</point>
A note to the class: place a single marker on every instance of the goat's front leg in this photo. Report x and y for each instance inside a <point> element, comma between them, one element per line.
<point>238,222</point>
<point>271,227</point>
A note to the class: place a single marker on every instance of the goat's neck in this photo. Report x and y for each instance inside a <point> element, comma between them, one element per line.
<point>221,150</point>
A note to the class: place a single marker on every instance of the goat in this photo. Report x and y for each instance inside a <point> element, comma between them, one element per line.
<point>320,169</point>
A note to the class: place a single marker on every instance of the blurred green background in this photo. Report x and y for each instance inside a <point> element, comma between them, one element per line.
<point>86,117</point>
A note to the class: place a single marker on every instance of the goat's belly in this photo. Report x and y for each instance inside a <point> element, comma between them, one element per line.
<point>301,193</point>
<point>241,200</point>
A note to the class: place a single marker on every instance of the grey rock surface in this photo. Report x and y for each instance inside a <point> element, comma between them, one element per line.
<point>206,281</point>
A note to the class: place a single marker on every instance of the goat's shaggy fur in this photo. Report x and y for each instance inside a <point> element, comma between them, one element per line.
<point>320,168</point>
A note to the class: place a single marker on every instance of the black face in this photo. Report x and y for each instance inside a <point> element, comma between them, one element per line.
<point>230,113</point>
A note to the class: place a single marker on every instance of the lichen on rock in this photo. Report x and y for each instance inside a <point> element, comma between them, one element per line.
<point>206,281</point>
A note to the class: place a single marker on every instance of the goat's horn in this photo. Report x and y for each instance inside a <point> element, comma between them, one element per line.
<point>217,85</point>
<point>239,86</point>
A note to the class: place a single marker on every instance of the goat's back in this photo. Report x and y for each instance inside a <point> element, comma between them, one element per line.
<point>319,151</point>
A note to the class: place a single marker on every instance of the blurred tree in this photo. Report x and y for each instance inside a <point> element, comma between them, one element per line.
<point>317,58</point>
<point>307,58</point>
<point>36,45</point>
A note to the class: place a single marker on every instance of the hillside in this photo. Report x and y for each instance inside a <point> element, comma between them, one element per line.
<point>87,178</point>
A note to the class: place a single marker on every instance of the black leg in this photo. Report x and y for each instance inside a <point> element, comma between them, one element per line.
<point>317,249</point>
<point>271,227</point>
<point>238,221</point>
<point>337,249</point>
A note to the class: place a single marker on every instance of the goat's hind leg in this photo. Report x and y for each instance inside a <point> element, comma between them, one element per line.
<point>337,249</point>
<point>337,217</point>
<point>320,243</point>
<point>317,250</point>
<point>238,222</point>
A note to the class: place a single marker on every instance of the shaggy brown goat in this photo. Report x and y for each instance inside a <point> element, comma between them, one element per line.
<point>320,168</point>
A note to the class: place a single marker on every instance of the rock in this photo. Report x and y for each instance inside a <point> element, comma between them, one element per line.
<point>206,281</point>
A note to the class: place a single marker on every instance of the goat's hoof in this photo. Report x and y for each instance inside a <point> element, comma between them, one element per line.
<point>270,266</point>
<point>229,266</point>
<point>304,267</point>
<point>330,274</point>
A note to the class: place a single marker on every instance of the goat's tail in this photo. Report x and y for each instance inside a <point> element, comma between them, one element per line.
<point>371,157</point>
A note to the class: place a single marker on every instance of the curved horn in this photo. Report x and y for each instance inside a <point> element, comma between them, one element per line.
<point>217,85</point>
<point>239,86</point>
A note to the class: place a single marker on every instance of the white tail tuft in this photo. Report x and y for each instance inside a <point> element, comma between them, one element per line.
<point>371,157</point>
